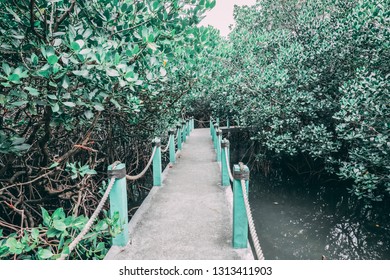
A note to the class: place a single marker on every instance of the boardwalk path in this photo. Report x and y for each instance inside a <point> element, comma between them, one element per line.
<point>189,217</point>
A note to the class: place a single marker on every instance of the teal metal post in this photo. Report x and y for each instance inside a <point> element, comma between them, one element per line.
<point>157,163</point>
<point>218,121</point>
<point>188,128</point>
<point>240,220</point>
<point>219,139</point>
<point>179,144</point>
<point>172,156</point>
<point>228,123</point>
<point>225,180</point>
<point>118,203</point>
<point>192,123</point>
<point>215,136</point>
<point>211,127</point>
<point>184,131</point>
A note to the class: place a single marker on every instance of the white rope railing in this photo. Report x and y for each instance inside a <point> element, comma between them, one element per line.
<point>91,220</point>
<point>228,164</point>
<point>252,229</point>
<point>142,173</point>
<point>167,146</point>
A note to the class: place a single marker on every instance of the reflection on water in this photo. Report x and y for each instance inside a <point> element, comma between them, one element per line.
<point>295,222</point>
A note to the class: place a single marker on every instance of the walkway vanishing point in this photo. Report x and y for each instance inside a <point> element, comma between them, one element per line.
<point>190,216</point>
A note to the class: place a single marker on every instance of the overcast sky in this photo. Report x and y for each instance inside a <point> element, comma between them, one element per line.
<point>222,15</point>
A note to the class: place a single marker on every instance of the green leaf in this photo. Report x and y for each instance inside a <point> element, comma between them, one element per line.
<point>59,214</point>
<point>65,251</point>
<point>78,45</point>
<point>136,49</point>
<point>7,69</point>
<point>59,225</point>
<point>152,46</point>
<point>150,38</point>
<point>45,254</point>
<point>3,251</point>
<point>61,243</point>
<point>210,4</point>
<point>44,71</point>
<point>83,73</point>
<point>34,59</point>
<point>85,51</point>
<point>100,247</point>
<point>19,103</point>
<point>117,58</point>
<point>18,140</point>
<point>55,107</point>
<point>53,165</point>
<point>49,51</point>
<point>57,42</point>
<point>32,91</point>
<point>14,78</point>
<point>52,232</point>
<point>52,59</point>
<point>79,222</point>
<point>35,233</point>
<point>88,114</point>
<point>52,97</point>
<point>90,172</point>
<point>69,104</point>
<point>112,73</point>
<point>12,243</point>
<point>65,82</point>
<point>46,217</point>
<point>22,147</point>
<point>117,105</point>
<point>98,107</point>
<point>15,247</point>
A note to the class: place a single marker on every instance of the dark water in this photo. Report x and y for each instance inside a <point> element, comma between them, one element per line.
<point>298,218</point>
<point>302,221</point>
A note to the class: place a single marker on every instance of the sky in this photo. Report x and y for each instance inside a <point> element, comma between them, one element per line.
<point>221,16</point>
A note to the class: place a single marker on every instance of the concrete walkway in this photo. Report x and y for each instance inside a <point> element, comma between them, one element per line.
<point>189,217</point>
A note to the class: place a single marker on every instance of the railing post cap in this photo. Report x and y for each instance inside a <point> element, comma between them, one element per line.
<point>219,132</point>
<point>171,132</point>
<point>225,143</point>
<point>240,171</point>
<point>183,122</point>
<point>118,172</point>
<point>178,126</point>
<point>216,125</point>
<point>157,142</point>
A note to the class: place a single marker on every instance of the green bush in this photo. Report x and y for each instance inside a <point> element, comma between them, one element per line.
<point>310,79</point>
<point>82,84</point>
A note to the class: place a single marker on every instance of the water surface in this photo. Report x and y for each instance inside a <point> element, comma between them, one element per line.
<point>296,221</point>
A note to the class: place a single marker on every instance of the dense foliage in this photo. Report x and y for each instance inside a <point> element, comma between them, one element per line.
<point>82,84</point>
<point>311,81</point>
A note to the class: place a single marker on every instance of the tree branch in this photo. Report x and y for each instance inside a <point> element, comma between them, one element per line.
<point>65,15</point>
<point>32,17</point>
